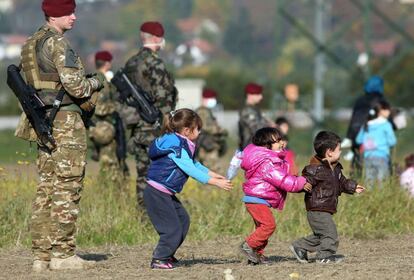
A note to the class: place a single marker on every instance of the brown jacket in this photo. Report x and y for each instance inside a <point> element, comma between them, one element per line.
<point>328,183</point>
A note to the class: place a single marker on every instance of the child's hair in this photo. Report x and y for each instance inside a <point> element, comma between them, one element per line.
<point>324,141</point>
<point>266,136</point>
<point>373,113</point>
<point>409,161</point>
<point>177,120</point>
<point>281,120</point>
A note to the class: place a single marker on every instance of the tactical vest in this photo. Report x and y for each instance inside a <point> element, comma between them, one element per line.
<point>39,70</point>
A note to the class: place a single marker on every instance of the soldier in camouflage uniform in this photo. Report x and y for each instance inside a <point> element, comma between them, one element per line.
<point>49,63</point>
<point>250,117</point>
<point>102,133</point>
<point>211,144</point>
<point>147,70</point>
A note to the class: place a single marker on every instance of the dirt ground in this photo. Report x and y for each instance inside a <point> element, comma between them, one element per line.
<point>389,258</point>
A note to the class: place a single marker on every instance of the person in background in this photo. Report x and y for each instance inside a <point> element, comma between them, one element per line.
<point>374,92</point>
<point>102,132</point>
<point>211,144</point>
<point>290,156</point>
<point>377,138</point>
<point>407,177</point>
<point>172,162</point>
<point>283,125</point>
<point>147,70</point>
<point>250,117</point>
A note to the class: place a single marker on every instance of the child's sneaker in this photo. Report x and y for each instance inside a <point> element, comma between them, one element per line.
<point>301,255</point>
<point>331,259</point>
<point>161,264</point>
<point>174,260</point>
<point>249,252</point>
<point>263,259</point>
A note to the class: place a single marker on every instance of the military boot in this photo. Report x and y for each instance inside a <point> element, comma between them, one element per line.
<point>40,266</point>
<point>74,262</point>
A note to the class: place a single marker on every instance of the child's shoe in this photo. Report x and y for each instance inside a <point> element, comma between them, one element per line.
<point>331,259</point>
<point>301,255</point>
<point>162,264</point>
<point>249,252</point>
<point>174,260</point>
<point>263,259</point>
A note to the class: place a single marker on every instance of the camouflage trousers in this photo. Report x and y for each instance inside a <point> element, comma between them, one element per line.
<point>211,160</point>
<point>56,204</point>
<point>142,163</point>
<point>110,169</point>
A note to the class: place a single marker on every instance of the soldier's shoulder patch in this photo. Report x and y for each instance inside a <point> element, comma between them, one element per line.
<point>71,59</point>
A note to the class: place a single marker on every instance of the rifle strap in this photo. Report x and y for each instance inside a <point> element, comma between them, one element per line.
<point>56,105</point>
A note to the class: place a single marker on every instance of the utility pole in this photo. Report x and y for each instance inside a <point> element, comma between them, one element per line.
<point>319,71</point>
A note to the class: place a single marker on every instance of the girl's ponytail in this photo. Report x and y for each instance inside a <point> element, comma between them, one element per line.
<point>167,126</point>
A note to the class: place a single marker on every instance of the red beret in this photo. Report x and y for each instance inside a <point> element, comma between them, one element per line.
<point>209,93</point>
<point>58,8</point>
<point>104,56</point>
<point>252,88</point>
<point>153,27</point>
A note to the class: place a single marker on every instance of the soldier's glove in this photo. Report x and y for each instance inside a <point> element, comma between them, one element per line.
<point>89,104</point>
<point>97,80</point>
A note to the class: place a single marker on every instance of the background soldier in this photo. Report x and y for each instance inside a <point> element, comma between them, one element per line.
<point>212,140</point>
<point>250,117</point>
<point>49,63</point>
<point>103,132</point>
<point>147,70</point>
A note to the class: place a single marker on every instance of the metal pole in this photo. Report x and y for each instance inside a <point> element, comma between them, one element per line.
<point>319,71</point>
<point>367,36</point>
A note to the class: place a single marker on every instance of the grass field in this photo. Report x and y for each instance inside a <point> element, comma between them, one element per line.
<point>109,216</point>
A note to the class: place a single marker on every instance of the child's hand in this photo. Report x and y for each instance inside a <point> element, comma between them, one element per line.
<point>359,189</point>
<point>307,187</point>
<point>216,175</point>
<point>221,183</point>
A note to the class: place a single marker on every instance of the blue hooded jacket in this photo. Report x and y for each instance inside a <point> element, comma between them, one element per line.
<point>377,139</point>
<point>172,162</point>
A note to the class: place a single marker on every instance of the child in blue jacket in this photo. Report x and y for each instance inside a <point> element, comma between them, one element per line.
<point>172,162</point>
<point>377,138</point>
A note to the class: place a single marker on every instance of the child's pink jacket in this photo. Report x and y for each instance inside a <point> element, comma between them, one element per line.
<point>267,177</point>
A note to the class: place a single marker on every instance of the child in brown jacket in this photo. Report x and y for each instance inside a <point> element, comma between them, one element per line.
<point>325,175</point>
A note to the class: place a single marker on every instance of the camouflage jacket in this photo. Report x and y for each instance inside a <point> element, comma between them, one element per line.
<point>148,70</point>
<point>210,125</point>
<point>250,120</point>
<point>213,137</point>
<point>106,103</point>
<point>57,56</point>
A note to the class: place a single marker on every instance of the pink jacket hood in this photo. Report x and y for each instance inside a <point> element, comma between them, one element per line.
<point>267,176</point>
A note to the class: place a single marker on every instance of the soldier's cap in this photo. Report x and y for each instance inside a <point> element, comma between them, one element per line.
<point>104,56</point>
<point>253,88</point>
<point>209,93</point>
<point>153,27</point>
<point>58,8</point>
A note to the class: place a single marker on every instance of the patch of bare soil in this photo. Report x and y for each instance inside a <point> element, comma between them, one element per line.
<point>389,258</point>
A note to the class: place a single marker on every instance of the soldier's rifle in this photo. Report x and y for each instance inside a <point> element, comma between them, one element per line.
<point>32,105</point>
<point>135,96</point>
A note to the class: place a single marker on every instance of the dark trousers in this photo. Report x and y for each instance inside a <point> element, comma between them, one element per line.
<point>170,220</point>
<point>324,240</point>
